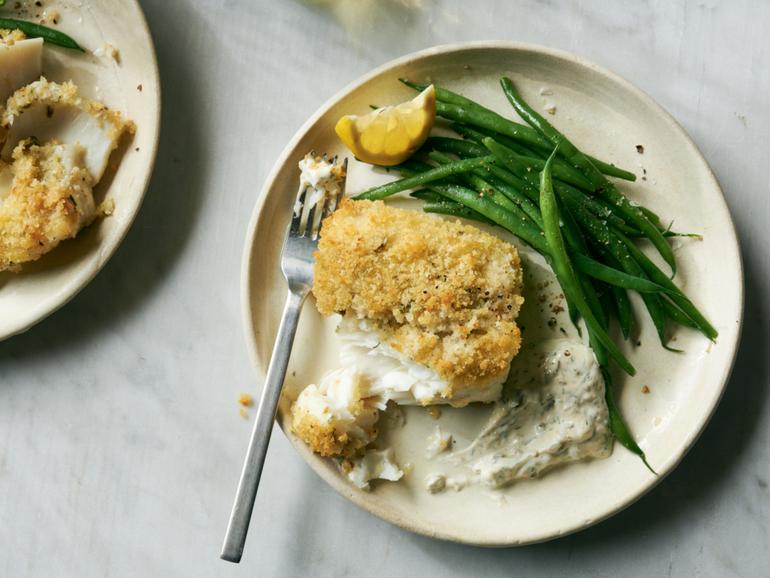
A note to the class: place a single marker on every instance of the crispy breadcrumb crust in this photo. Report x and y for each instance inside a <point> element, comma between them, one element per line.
<point>324,438</point>
<point>44,92</point>
<point>329,437</point>
<point>443,293</point>
<point>11,37</point>
<point>50,200</point>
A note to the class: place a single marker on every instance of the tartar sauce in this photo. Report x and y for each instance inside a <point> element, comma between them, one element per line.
<point>553,413</point>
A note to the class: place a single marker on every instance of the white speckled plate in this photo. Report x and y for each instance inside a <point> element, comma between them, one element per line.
<point>44,286</point>
<point>607,117</point>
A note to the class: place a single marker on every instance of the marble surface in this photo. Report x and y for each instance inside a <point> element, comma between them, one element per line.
<point>120,440</point>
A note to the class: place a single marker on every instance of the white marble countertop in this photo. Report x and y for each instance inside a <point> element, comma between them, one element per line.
<point>120,440</point>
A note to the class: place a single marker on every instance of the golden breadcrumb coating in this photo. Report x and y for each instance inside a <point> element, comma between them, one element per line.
<point>11,37</point>
<point>323,437</point>
<point>442,293</point>
<point>50,200</point>
<point>334,420</point>
<point>50,197</point>
<point>53,94</point>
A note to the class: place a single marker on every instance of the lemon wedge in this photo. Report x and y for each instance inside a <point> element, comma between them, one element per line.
<point>390,135</point>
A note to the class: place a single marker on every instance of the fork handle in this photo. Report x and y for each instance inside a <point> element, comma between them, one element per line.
<point>240,516</point>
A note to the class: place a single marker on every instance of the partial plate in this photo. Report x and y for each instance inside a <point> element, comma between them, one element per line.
<point>130,84</point>
<point>608,117</point>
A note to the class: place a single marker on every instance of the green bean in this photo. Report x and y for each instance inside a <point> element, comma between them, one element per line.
<point>487,119</point>
<point>659,318</point>
<point>605,187</point>
<point>594,205</point>
<point>478,134</point>
<point>614,277</point>
<point>514,221</point>
<point>676,295</point>
<point>33,30</point>
<point>652,302</point>
<point>515,188</point>
<point>487,174</point>
<point>410,165</point>
<point>577,243</point>
<point>518,197</point>
<point>618,425</point>
<point>625,314</point>
<point>443,94</point>
<point>578,246</point>
<point>505,126</point>
<point>612,170</point>
<point>653,218</point>
<point>561,171</point>
<point>434,202</point>
<point>605,210</point>
<point>606,240</point>
<point>455,210</point>
<point>428,196</point>
<point>563,267</point>
<point>605,298</point>
<point>677,315</point>
<point>605,168</point>
<point>455,146</point>
<point>509,161</point>
<point>476,180</point>
<point>525,184</point>
<point>461,109</point>
<point>468,149</point>
<point>515,181</point>
<point>422,179</point>
<point>632,233</point>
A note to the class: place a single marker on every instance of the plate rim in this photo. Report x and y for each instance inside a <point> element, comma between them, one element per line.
<point>107,251</point>
<point>339,485</point>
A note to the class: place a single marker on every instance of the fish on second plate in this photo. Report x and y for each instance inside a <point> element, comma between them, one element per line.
<point>54,148</point>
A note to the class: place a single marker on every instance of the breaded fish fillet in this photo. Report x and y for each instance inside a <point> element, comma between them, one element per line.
<point>46,189</point>
<point>50,200</point>
<point>444,294</point>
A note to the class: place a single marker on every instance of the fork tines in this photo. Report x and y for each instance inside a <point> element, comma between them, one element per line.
<point>313,205</point>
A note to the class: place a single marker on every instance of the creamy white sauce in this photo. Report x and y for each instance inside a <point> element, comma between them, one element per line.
<point>553,414</point>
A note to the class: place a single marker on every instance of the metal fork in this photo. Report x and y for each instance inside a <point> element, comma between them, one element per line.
<point>297,266</point>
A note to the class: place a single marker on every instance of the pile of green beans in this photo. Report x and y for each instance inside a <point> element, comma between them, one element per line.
<point>533,182</point>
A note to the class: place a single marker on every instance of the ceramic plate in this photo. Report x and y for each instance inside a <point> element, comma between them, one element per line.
<point>607,117</point>
<point>129,84</point>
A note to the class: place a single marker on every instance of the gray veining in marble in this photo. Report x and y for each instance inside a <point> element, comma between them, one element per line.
<point>120,440</point>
